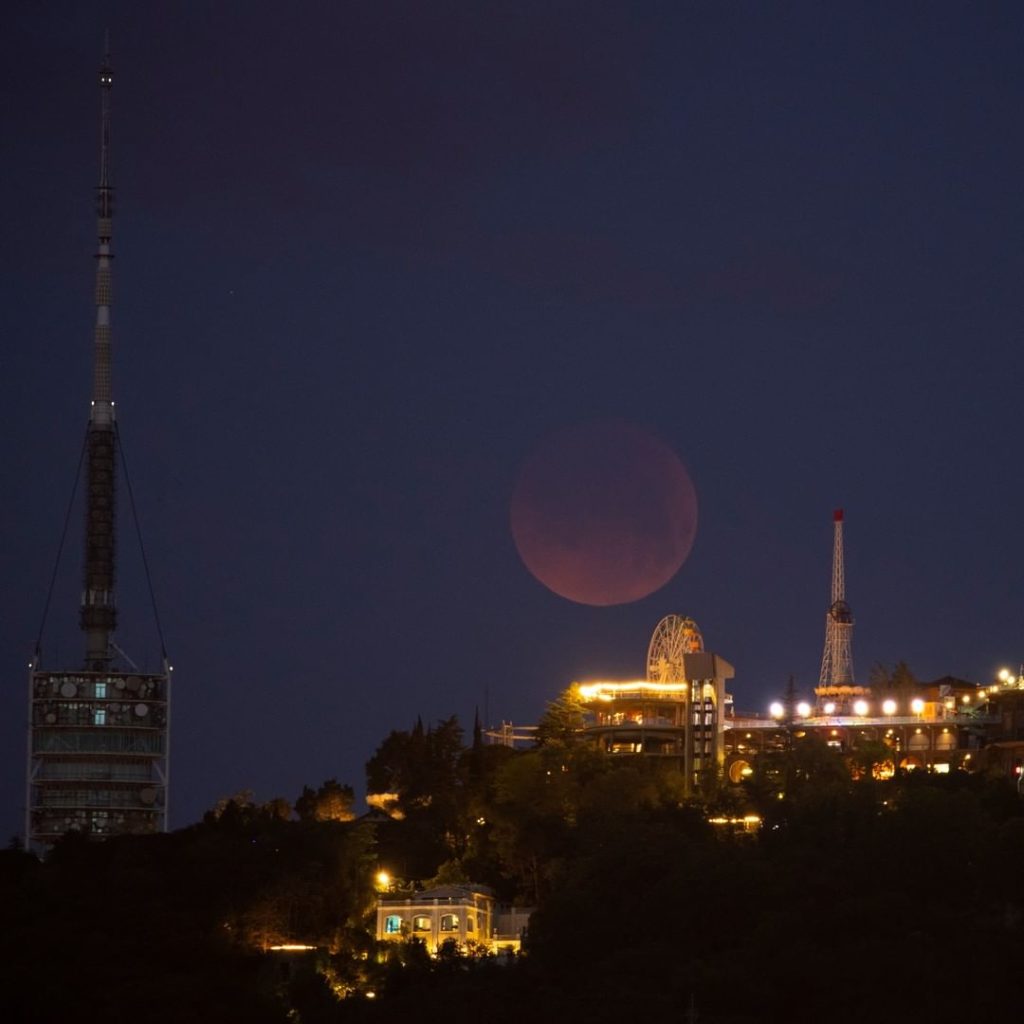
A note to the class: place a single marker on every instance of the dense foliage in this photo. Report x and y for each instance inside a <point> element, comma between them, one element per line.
<point>857,899</point>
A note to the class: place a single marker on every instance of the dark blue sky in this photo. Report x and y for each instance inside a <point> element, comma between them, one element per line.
<point>370,255</point>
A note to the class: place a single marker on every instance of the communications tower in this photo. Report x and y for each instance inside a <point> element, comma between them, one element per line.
<point>837,660</point>
<point>98,735</point>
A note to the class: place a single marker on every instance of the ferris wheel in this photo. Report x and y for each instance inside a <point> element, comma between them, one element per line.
<point>673,637</point>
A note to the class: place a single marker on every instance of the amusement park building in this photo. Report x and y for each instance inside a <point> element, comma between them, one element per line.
<point>682,713</point>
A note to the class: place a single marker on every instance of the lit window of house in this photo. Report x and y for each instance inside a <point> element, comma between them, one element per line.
<point>449,922</point>
<point>421,923</point>
<point>393,924</point>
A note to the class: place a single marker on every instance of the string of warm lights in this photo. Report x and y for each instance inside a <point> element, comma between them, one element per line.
<point>609,690</point>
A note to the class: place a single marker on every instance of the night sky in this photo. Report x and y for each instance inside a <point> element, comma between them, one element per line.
<point>370,255</point>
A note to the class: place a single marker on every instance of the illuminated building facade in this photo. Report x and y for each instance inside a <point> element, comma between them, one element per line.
<point>682,715</point>
<point>947,725</point>
<point>97,746</point>
<point>677,713</point>
<point>464,914</point>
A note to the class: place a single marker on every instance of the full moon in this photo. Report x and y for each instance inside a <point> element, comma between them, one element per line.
<point>604,513</point>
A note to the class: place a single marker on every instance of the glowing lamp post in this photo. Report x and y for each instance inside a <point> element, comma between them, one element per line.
<point>860,707</point>
<point>1007,678</point>
<point>889,707</point>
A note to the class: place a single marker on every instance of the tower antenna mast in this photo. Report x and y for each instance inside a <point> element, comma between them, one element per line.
<point>98,735</point>
<point>837,659</point>
<point>99,611</point>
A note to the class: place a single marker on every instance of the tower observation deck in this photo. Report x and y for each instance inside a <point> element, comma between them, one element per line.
<point>98,734</point>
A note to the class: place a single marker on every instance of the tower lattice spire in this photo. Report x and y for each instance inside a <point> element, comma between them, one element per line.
<point>837,660</point>
<point>99,614</point>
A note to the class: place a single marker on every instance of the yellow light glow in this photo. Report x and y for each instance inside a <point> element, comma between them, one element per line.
<point>608,691</point>
<point>860,707</point>
<point>982,694</point>
<point>383,880</point>
<point>830,708</point>
<point>803,709</point>
<point>1004,674</point>
<point>889,707</point>
<point>292,947</point>
<point>966,698</point>
<point>917,705</point>
<point>776,710</point>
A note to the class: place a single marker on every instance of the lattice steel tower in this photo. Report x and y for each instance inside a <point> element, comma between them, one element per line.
<point>837,661</point>
<point>97,757</point>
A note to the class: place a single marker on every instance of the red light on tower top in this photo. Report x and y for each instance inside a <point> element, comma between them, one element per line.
<point>837,516</point>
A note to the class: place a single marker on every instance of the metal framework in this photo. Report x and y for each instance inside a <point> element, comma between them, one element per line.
<point>98,736</point>
<point>673,637</point>
<point>837,659</point>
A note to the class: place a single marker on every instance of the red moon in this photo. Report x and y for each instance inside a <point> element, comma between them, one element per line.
<point>604,513</point>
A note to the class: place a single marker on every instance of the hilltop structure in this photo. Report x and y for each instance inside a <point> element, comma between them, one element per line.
<point>98,734</point>
<point>467,915</point>
<point>678,713</point>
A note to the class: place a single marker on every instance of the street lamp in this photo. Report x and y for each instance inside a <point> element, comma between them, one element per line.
<point>1007,677</point>
<point>860,707</point>
<point>889,707</point>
